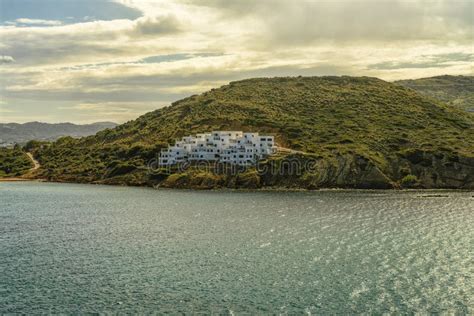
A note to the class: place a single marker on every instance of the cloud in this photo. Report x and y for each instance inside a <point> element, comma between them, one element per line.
<point>111,111</point>
<point>427,61</point>
<point>6,59</point>
<point>165,78</point>
<point>157,25</point>
<point>38,22</point>
<point>3,108</point>
<point>90,41</point>
<point>109,106</point>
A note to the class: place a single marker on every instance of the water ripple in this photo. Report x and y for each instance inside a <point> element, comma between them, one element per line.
<point>87,249</point>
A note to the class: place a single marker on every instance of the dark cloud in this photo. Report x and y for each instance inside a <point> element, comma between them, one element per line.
<point>6,59</point>
<point>302,22</point>
<point>148,60</point>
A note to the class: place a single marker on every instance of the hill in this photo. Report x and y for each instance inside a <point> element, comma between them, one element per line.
<point>11,133</point>
<point>454,90</point>
<point>358,132</point>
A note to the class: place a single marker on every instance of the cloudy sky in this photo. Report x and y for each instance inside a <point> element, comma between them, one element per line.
<point>103,60</point>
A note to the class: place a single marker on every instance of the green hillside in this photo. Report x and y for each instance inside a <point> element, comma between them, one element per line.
<point>362,132</point>
<point>454,90</point>
<point>13,162</point>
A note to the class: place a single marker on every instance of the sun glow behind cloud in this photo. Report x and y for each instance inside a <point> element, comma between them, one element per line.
<point>172,49</point>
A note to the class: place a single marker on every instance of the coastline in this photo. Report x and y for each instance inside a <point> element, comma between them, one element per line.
<point>20,180</point>
<point>262,189</point>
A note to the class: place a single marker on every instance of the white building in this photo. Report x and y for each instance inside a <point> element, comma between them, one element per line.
<point>231,147</point>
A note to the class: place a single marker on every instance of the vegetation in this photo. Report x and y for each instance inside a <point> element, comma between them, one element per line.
<point>409,181</point>
<point>13,162</point>
<point>454,90</point>
<point>356,128</point>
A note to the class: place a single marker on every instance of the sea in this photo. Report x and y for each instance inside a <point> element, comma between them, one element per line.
<point>75,249</point>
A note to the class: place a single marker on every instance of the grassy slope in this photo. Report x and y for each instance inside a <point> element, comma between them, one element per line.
<point>13,162</point>
<point>455,90</point>
<point>327,116</point>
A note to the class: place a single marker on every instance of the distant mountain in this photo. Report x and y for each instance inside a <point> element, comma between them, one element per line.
<point>21,133</point>
<point>454,90</point>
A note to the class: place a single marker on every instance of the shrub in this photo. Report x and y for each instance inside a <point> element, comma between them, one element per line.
<point>409,181</point>
<point>205,180</point>
<point>249,179</point>
<point>121,169</point>
<point>13,162</point>
<point>176,180</point>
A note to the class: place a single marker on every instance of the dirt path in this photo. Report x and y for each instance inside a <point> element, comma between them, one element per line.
<point>34,161</point>
<point>290,151</point>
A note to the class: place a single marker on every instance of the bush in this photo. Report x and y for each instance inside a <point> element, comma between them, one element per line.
<point>121,169</point>
<point>33,145</point>
<point>249,180</point>
<point>409,181</point>
<point>13,162</point>
<point>205,180</point>
<point>176,180</point>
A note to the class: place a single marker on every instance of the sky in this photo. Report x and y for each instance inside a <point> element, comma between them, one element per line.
<point>103,60</point>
